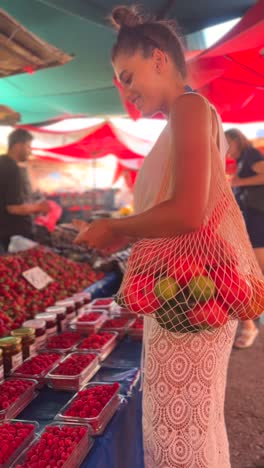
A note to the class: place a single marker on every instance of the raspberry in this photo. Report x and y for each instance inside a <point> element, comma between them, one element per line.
<point>63,341</point>
<point>74,364</point>
<point>38,364</point>
<point>11,390</point>
<point>9,439</point>
<point>96,340</point>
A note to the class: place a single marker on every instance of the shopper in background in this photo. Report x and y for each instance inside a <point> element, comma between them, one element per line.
<point>15,207</point>
<point>248,186</point>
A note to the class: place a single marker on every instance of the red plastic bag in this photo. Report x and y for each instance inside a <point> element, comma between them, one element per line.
<point>50,219</point>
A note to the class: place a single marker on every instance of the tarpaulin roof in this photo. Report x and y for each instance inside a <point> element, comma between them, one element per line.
<point>231,73</point>
<point>79,27</point>
<point>94,142</point>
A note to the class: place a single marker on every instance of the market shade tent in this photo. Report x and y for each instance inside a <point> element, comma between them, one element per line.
<point>91,143</point>
<point>84,86</point>
<point>231,73</point>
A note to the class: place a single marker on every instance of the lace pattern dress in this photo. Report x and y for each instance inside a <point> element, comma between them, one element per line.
<point>184,376</point>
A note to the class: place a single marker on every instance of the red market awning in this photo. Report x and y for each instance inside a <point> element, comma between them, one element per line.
<point>231,72</point>
<point>91,143</point>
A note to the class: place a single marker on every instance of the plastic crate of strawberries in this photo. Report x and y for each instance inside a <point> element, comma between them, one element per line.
<point>15,436</point>
<point>118,324</point>
<point>94,405</point>
<point>89,322</point>
<point>103,342</point>
<point>37,367</point>
<point>136,329</point>
<point>64,342</point>
<point>15,395</point>
<point>66,445</point>
<point>105,303</point>
<point>74,371</point>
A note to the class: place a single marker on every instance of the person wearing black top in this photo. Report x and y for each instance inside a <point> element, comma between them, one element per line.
<point>15,207</point>
<point>248,187</point>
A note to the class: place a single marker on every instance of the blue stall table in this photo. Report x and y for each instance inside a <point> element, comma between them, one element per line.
<point>120,446</point>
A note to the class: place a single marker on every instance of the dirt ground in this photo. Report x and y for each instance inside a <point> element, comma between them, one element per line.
<point>245,406</point>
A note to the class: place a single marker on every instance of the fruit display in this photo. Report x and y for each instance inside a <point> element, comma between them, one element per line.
<point>37,366</point>
<point>60,445</point>
<point>63,342</point>
<point>73,371</point>
<point>73,364</point>
<point>95,405</point>
<point>14,437</point>
<point>20,301</point>
<point>103,342</point>
<point>101,303</point>
<point>15,395</point>
<point>118,324</point>
<point>89,322</point>
<point>136,329</point>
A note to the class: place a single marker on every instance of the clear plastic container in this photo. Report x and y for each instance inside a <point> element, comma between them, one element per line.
<point>77,456</point>
<point>22,400</point>
<point>70,308</point>
<point>122,312</point>
<point>136,329</point>
<point>105,350</point>
<point>40,331</point>
<point>83,325</point>
<point>105,303</point>
<point>61,317</point>
<point>25,443</point>
<point>40,377</point>
<point>62,348</point>
<point>98,423</point>
<point>120,326</point>
<point>73,382</point>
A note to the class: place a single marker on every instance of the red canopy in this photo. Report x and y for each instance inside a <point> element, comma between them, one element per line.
<point>231,72</point>
<point>98,141</point>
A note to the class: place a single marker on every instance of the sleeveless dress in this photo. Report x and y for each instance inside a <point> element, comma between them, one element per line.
<point>184,376</point>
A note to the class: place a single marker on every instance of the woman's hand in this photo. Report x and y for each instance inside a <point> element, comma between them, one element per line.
<point>97,235</point>
<point>236,181</point>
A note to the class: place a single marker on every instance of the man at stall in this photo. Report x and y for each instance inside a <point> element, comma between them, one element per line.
<point>16,209</point>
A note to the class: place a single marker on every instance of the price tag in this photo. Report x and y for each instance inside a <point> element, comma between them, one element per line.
<point>37,277</point>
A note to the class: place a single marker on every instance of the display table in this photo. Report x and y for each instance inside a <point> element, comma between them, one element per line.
<point>120,446</point>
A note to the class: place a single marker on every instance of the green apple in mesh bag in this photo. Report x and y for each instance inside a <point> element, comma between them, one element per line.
<point>173,321</point>
<point>202,288</point>
<point>166,288</point>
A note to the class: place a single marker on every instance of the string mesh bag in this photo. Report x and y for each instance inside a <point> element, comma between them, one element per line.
<point>202,279</point>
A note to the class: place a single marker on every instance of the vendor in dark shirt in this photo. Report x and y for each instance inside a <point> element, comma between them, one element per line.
<point>248,187</point>
<point>15,208</point>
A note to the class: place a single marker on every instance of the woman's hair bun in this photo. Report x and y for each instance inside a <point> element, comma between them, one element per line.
<point>128,16</point>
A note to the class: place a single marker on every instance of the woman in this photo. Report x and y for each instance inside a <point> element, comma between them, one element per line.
<point>248,186</point>
<point>184,375</point>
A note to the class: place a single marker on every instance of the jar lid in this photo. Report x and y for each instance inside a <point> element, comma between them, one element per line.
<point>9,341</point>
<point>82,295</point>
<point>38,323</point>
<point>66,303</point>
<point>56,310</point>
<point>24,331</point>
<point>46,316</point>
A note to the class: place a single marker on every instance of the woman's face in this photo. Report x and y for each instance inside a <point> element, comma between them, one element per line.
<point>233,150</point>
<point>142,80</point>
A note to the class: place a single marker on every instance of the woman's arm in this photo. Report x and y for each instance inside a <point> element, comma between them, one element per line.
<point>184,212</point>
<point>257,179</point>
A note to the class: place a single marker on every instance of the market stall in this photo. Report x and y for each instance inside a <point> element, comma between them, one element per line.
<point>71,346</point>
